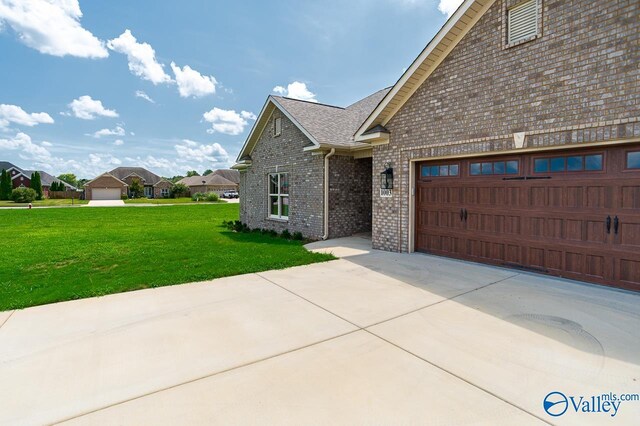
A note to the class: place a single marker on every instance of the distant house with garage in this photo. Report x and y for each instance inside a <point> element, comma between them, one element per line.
<point>512,139</point>
<point>213,182</point>
<point>115,184</point>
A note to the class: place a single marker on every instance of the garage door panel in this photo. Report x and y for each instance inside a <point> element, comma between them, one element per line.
<point>105,194</point>
<point>555,224</point>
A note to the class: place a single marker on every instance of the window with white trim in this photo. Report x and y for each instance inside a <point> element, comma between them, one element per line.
<point>277,126</point>
<point>279,195</point>
<point>522,22</point>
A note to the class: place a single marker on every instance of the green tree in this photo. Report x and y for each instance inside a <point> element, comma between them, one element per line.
<point>70,178</point>
<point>192,173</point>
<point>36,185</point>
<point>179,190</point>
<point>136,189</point>
<point>5,186</point>
<point>207,172</point>
<point>80,183</point>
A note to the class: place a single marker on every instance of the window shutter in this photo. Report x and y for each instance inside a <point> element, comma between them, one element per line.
<point>523,21</point>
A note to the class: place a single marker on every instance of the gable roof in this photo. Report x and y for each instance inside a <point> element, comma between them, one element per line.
<point>150,178</point>
<point>326,126</point>
<point>458,25</point>
<point>108,175</point>
<point>5,165</point>
<point>210,179</point>
<point>229,174</point>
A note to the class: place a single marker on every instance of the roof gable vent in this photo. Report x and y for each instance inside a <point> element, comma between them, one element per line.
<point>523,21</point>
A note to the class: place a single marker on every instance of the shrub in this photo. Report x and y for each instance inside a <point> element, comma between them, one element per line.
<point>23,195</point>
<point>124,197</point>
<point>179,190</point>
<point>286,234</point>
<point>198,196</point>
<point>298,236</point>
<point>212,196</point>
<point>273,233</point>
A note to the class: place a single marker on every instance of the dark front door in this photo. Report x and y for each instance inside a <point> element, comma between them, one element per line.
<point>574,214</point>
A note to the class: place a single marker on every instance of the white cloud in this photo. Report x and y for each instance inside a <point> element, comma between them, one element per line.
<point>161,166</point>
<point>28,150</point>
<point>52,27</point>
<point>104,160</point>
<point>296,90</point>
<point>141,57</point>
<point>88,109</point>
<point>45,143</point>
<point>118,131</point>
<point>193,151</point>
<point>448,7</point>
<point>15,114</point>
<point>143,95</point>
<point>118,142</point>
<point>192,83</point>
<point>227,121</point>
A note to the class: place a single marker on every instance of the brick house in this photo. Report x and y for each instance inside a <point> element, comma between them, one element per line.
<point>115,184</point>
<point>513,139</point>
<point>22,178</point>
<point>300,169</point>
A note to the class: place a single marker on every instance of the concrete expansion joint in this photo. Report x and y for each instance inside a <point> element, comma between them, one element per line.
<point>7,319</point>
<point>366,329</point>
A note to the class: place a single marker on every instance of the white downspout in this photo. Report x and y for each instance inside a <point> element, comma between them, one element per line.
<point>326,193</point>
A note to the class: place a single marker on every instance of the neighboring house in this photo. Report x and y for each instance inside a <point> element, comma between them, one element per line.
<point>211,183</point>
<point>115,184</point>
<point>22,178</point>
<point>513,139</point>
<point>229,174</point>
<point>105,187</point>
<point>300,169</point>
<point>154,185</point>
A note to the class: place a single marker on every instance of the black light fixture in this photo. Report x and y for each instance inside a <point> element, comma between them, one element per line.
<point>386,177</point>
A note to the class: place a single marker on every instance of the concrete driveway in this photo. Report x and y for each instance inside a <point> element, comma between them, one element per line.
<point>371,338</point>
<point>105,203</point>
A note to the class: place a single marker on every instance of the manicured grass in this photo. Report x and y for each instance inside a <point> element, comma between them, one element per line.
<point>51,255</point>
<point>42,203</point>
<point>166,201</point>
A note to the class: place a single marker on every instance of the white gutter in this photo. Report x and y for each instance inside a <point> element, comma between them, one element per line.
<point>326,193</point>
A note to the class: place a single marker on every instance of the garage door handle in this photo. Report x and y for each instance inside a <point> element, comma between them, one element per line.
<point>616,223</point>
<point>461,214</point>
<point>608,222</point>
<point>465,214</point>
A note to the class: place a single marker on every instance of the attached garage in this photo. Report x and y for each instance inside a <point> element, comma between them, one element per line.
<point>572,213</point>
<point>106,194</point>
<point>105,187</point>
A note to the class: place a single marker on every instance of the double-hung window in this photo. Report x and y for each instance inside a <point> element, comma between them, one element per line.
<point>279,195</point>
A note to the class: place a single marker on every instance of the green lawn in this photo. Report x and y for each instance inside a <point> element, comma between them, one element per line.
<point>166,201</point>
<point>51,255</point>
<point>42,203</point>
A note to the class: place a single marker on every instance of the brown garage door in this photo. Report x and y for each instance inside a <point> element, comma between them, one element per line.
<point>574,214</point>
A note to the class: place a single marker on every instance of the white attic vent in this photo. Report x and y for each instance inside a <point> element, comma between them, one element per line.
<point>523,21</point>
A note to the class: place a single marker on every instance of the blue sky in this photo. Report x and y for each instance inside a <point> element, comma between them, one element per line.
<point>174,86</point>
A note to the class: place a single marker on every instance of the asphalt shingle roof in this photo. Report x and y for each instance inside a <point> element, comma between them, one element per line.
<point>211,179</point>
<point>328,124</point>
<point>229,174</point>
<point>150,178</point>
